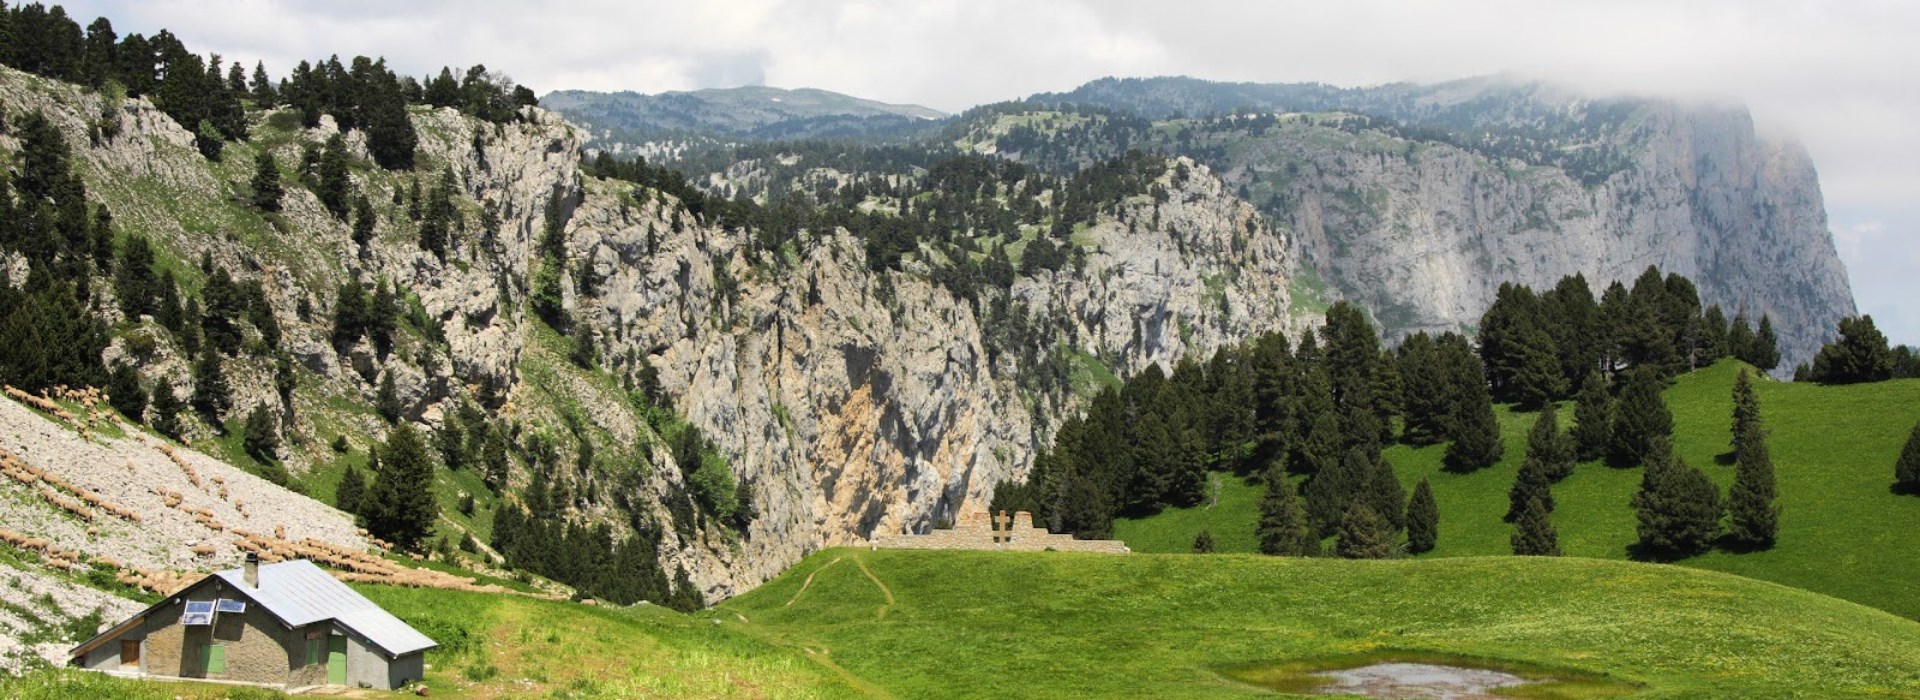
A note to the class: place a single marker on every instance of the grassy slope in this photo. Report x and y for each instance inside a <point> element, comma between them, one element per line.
<point>976,624</point>
<point>1842,532</point>
<point>507,646</point>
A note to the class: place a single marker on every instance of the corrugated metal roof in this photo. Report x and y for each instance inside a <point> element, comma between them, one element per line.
<point>301,594</point>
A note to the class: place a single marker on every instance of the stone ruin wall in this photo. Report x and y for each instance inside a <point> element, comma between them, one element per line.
<point>977,530</point>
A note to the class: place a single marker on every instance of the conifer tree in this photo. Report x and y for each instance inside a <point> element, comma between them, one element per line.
<point>1860,354</point>
<point>1476,441</point>
<point>1363,535</point>
<point>1203,542</point>
<point>1549,446</point>
<point>386,400</point>
<point>1423,519</point>
<point>1425,391</point>
<point>124,392</point>
<point>1766,347</point>
<point>211,394</point>
<point>1533,531</point>
<point>1640,417</point>
<point>1329,492</point>
<point>1677,507</point>
<point>351,495</point>
<point>166,409</point>
<point>260,439</point>
<point>1592,431</point>
<point>1755,520</point>
<point>266,183</point>
<point>363,222</point>
<point>1740,338</point>
<point>335,181</point>
<point>1283,524</point>
<point>1385,497</point>
<point>1906,469</point>
<point>1530,486</point>
<point>403,509</point>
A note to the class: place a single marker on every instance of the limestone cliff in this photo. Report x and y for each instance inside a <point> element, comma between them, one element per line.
<point>852,401</point>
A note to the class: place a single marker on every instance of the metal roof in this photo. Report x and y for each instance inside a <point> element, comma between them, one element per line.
<point>300,593</point>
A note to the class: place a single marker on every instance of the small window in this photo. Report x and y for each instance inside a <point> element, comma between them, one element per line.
<point>316,649</point>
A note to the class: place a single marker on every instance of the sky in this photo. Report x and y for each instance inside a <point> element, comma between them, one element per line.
<point>1842,78</point>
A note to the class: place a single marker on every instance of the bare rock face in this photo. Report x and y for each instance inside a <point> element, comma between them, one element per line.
<point>854,414</point>
<point>1423,233</point>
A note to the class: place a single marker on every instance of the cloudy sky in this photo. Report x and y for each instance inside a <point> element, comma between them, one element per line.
<point>1840,77</point>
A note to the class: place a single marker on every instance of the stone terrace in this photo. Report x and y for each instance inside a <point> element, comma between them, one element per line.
<point>976,530</point>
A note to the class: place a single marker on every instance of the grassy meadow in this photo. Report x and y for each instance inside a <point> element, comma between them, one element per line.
<point>1842,532</point>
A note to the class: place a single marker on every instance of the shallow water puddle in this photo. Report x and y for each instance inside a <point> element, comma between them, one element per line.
<point>1415,680</point>
<point>1420,675</point>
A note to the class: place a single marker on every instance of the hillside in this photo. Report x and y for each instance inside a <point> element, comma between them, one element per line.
<point>622,120</point>
<point>1840,524</point>
<point>965,624</point>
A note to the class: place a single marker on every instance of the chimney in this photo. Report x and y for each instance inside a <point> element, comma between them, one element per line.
<point>251,570</point>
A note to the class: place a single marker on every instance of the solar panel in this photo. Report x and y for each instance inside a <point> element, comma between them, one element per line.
<point>199,612</point>
<point>232,606</point>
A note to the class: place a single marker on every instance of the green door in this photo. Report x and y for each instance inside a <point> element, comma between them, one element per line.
<point>336,660</point>
<point>216,659</point>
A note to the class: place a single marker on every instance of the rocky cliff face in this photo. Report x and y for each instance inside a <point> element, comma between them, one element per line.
<point>1423,231</point>
<point>852,401</point>
<point>854,414</point>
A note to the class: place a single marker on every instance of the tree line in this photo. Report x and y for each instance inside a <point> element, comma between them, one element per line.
<point>211,101</point>
<point>1310,420</point>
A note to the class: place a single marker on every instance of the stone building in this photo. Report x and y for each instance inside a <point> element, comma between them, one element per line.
<point>977,530</point>
<point>287,625</point>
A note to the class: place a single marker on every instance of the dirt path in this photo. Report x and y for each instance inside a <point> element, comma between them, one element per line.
<point>884,590</point>
<point>809,581</point>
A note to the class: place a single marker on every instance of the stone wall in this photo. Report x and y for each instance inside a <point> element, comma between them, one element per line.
<point>978,530</point>
<point>257,646</point>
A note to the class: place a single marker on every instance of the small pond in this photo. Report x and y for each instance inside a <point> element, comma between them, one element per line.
<point>1401,675</point>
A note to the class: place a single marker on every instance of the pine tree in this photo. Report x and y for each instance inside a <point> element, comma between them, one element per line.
<point>124,392</point>
<point>1283,524</point>
<point>1385,497</point>
<point>386,400</point>
<point>1532,485</point>
<point>1423,519</point>
<point>1533,531</point>
<point>1639,418</point>
<point>1906,470</point>
<point>1755,519</point>
<point>211,394</point>
<point>260,439</point>
<point>335,181</point>
<point>266,183</point>
<point>363,222</point>
<point>1362,534</point>
<point>1766,347</point>
<point>1860,354</point>
<point>1677,507</point>
<point>1546,444</point>
<point>1592,419</point>
<point>403,508</point>
<point>351,495</point>
<point>1740,338</point>
<point>1203,542</point>
<point>1330,492</point>
<point>166,409</point>
<point>1476,440</point>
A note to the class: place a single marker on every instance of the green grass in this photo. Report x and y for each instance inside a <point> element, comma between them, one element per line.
<point>1842,532</point>
<point>1173,530</point>
<point>992,624</point>
<point>498,646</point>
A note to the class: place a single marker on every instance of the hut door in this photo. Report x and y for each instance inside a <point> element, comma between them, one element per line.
<point>129,653</point>
<point>336,660</point>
